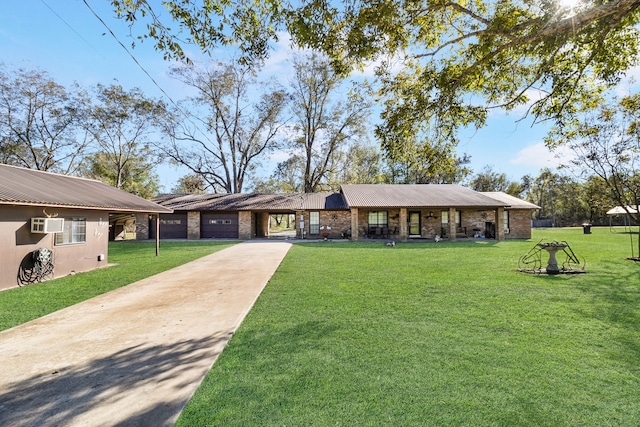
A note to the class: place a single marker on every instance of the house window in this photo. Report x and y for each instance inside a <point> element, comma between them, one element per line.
<point>74,231</point>
<point>314,222</point>
<point>445,218</point>
<point>378,219</point>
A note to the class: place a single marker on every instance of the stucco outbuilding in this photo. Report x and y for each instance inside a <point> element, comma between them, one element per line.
<point>67,215</point>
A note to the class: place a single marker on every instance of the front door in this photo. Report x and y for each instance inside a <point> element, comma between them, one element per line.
<point>414,224</point>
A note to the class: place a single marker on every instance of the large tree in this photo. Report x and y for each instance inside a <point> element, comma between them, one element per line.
<point>606,143</point>
<point>558,195</point>
<point>361,164</point>
<point>458,58</point>
<point>489,180</point>
<point>324,126</point>
<point>427,164</point>
<point>39,122</point>
<point>123,127</point>
<point>190,184</point>
<point>232,123</point>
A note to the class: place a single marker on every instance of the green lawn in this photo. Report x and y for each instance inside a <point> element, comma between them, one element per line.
<point>444,334</point>
<point>133,261</point>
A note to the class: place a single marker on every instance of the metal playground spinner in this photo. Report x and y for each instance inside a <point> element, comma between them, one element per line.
<point>532,261</point>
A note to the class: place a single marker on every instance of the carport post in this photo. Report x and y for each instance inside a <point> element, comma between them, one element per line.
<point>157,234</point>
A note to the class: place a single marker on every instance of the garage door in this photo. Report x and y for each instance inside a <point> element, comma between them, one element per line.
<point>219,225</point>
<point>173,226</point>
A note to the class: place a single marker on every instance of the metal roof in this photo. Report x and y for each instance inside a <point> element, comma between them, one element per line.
<point>416,196</point>
<point>353,195</point>
<point>252,202</point>
<point>512,201</point>
<point>29,187</point>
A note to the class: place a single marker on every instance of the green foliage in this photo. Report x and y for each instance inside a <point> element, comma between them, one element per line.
<point>362,164</point>
<point>135,176</point>
<point>458,59</point>
<point>606,143</point>
<point>489,180</point>
<point>433,334</point>
<point>234,122</point>
<point>324,126</point>
<point>190,184</point>
<point>122,125</point>
<point>39,121</point>
<point>558,196</point>
<point>427,165</point>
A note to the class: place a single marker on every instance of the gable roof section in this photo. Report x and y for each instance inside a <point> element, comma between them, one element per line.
<point>416,196</point>
<point>252,202</point>
<point>29,187</point>
<point>512,202</point>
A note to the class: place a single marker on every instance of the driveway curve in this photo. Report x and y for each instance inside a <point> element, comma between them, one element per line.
<point>133,356</point>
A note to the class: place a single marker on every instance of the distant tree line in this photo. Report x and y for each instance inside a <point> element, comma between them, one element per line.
<point>233,123</point>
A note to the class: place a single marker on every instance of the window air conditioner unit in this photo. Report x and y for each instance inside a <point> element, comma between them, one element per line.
<point>47,225</point>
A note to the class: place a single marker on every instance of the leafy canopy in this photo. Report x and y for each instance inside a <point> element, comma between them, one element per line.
<point>458,58</point>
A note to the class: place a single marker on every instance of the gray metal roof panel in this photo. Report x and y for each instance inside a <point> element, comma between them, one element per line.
<point>252,202</point>
<point>512,201</point>
<point>415,196</point>
<point>20,186</point>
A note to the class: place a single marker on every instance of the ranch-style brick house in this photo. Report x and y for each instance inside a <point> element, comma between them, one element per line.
<point>359,211</point>
<point>66,218</point>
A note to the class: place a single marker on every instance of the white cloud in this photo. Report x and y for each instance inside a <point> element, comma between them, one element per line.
<point>278,64</point>
<point>538,155</point>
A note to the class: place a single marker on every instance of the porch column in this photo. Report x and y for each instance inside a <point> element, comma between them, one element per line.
<point>354,224</point>
<point>262,224</point>
<point>499,223</point>
<point>193,225</point>
<point>452,224</point>
<point>245,225</point>
<point>404,234</point>
<point>300,224</point>
<point>142,226</point>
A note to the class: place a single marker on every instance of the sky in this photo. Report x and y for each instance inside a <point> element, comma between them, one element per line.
<point>66,39</point>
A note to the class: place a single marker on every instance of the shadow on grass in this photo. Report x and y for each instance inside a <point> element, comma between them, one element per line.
<point>614,300</point>
<point>60,397</point>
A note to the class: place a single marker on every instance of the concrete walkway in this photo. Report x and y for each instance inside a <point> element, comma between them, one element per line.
<point>136,355</point>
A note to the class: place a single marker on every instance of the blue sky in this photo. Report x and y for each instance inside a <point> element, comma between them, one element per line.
<point>64,38</point>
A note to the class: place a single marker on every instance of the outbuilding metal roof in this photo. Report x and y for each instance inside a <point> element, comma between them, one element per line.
<point>416,196</point>
<point>29,187</point>
<point>252,202</point>
<point>510,201</point>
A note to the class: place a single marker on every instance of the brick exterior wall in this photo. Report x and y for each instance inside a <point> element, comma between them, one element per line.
<point>245,225</point>
<point>473,219</point>
<point>519,224</point>
<point>262,224</point>
<point>341,222</point>
<point>193,225</point>
<point>431,225</point>
<point>142,226</point>
<point>338,221</point>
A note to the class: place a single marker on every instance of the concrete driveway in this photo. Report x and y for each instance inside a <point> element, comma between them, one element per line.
<point>136,355</point>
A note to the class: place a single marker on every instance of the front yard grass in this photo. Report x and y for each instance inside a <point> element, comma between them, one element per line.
<point>133,261</point>
<point>434,334</point>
